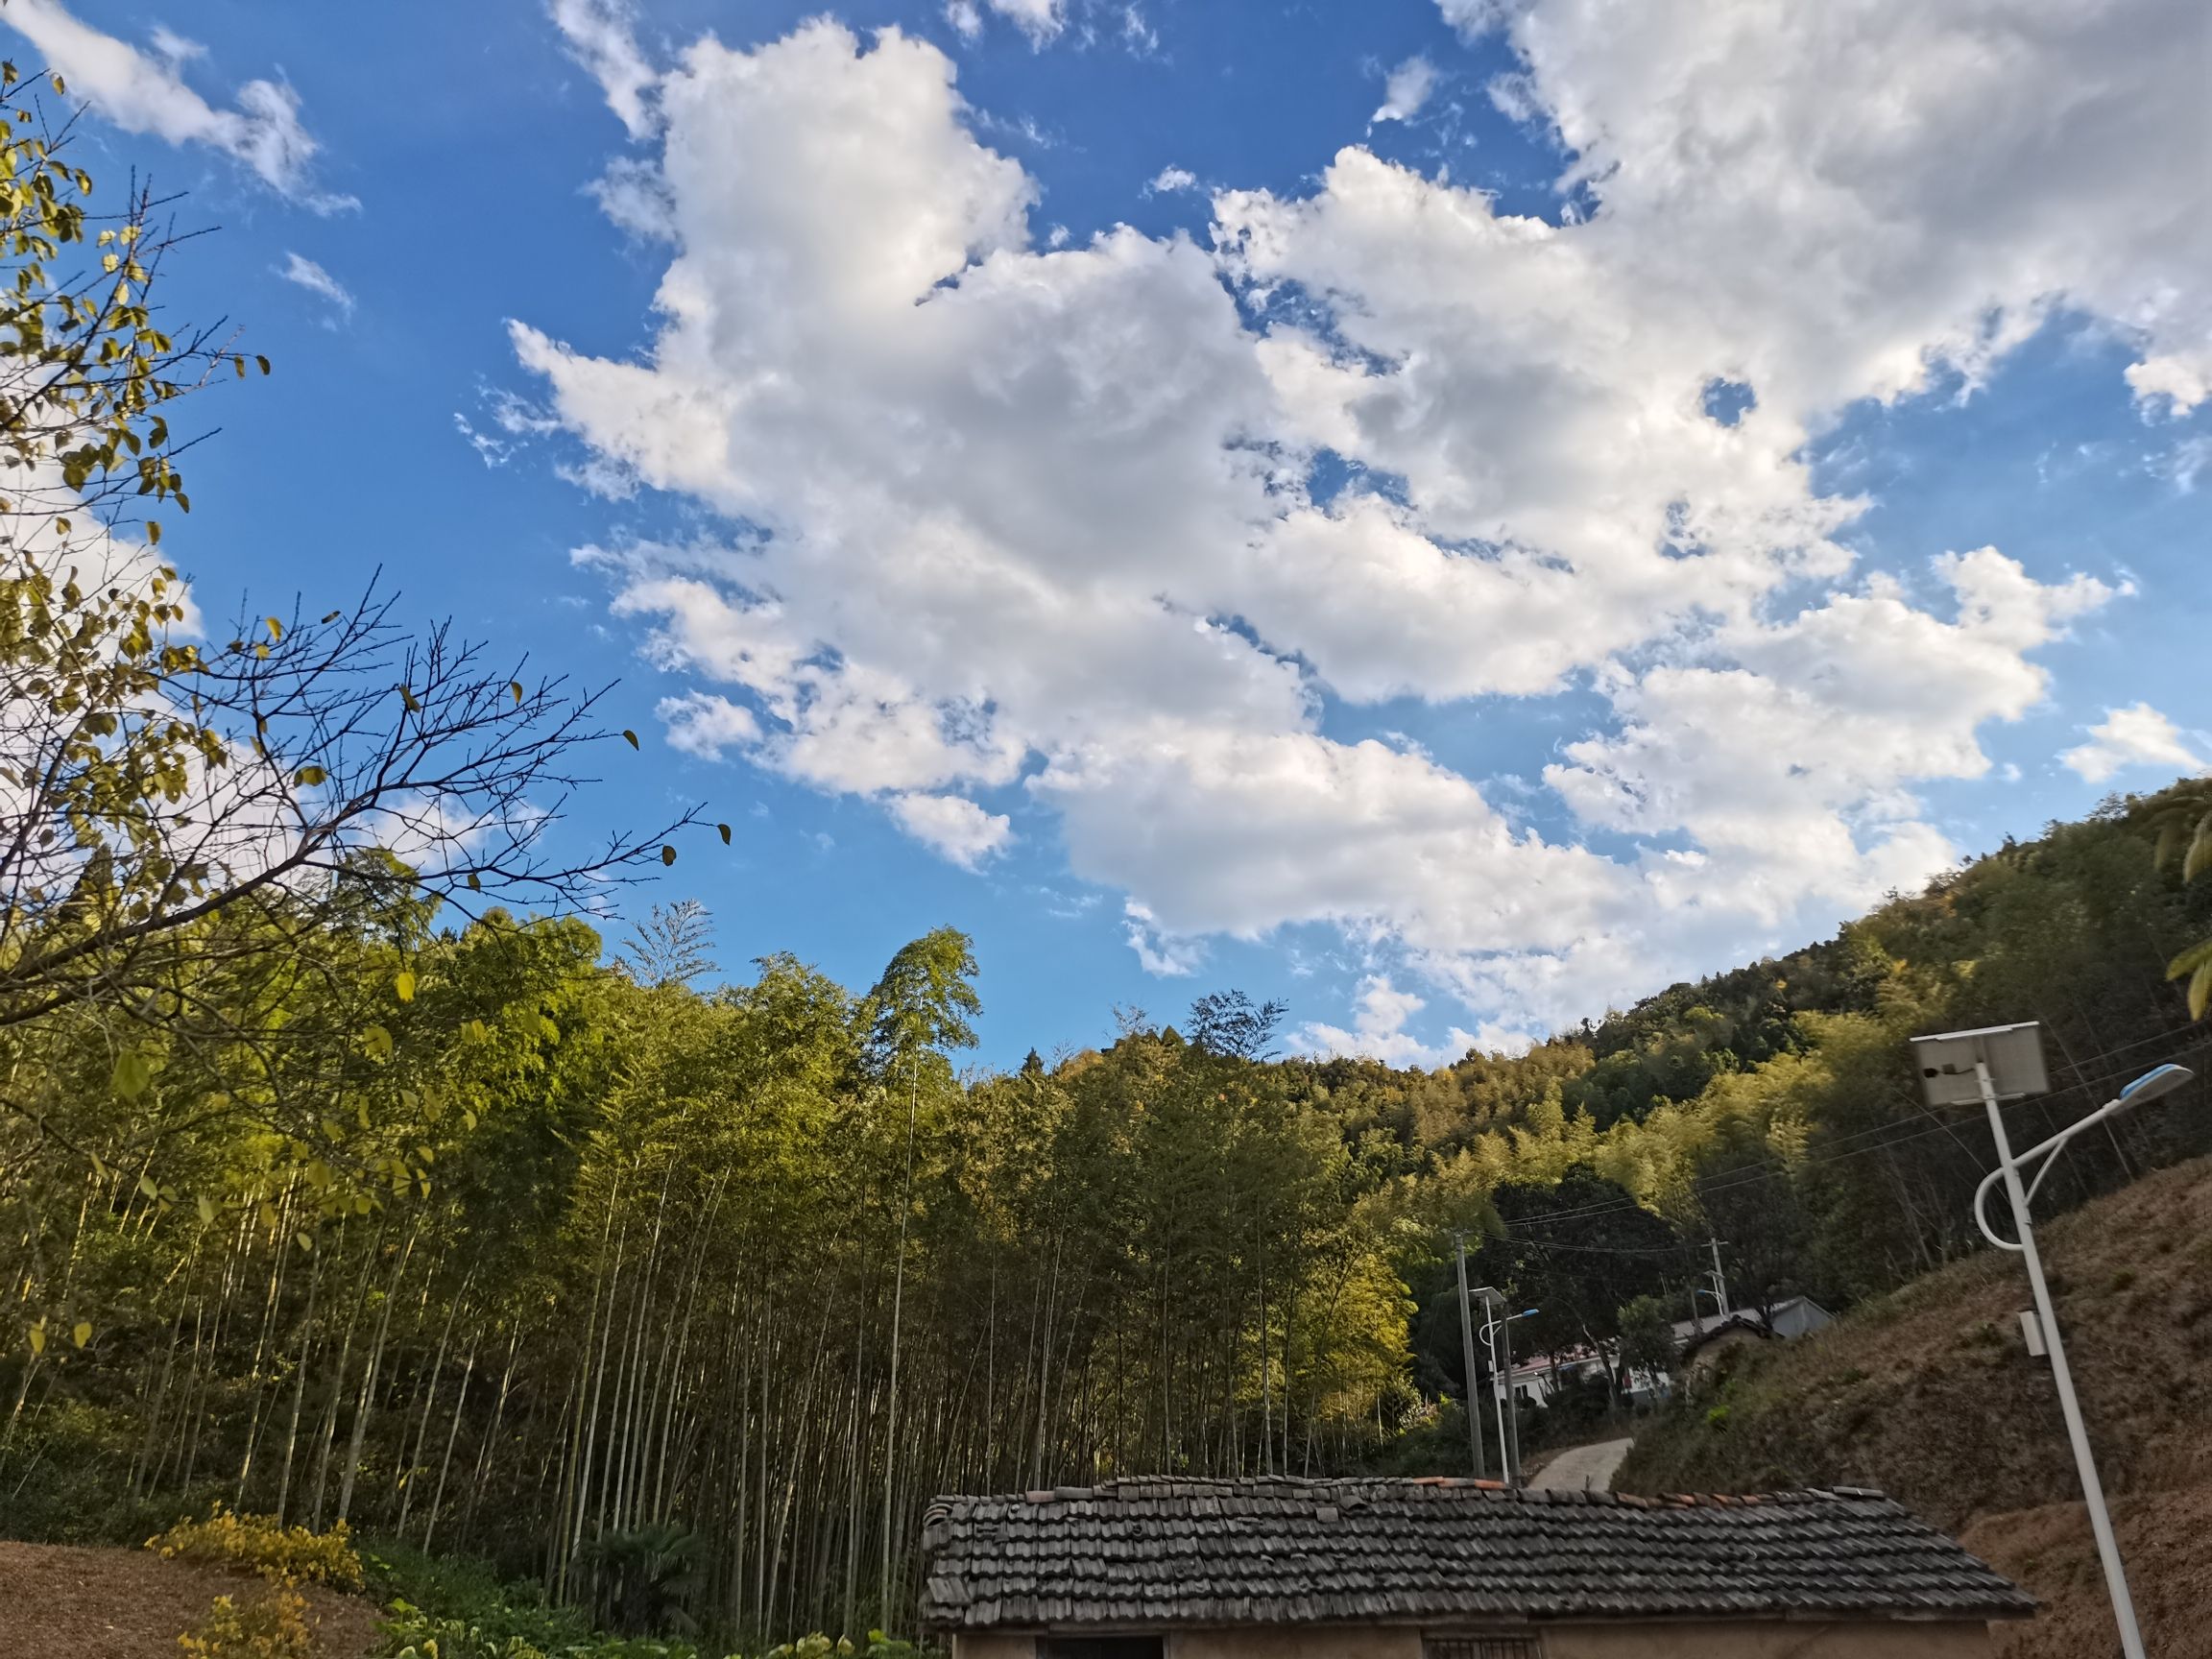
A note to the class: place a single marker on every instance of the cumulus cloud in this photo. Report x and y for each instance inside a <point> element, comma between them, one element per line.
<point>1016,513</point>
<point>1169,180</point>
<point>145,93</point>
<point>2136,736</point>
<point>1407,89</point>
<point>953,825</point>
<point>602,36</point>
<point>1379,1013</point>
<point>316,280</point>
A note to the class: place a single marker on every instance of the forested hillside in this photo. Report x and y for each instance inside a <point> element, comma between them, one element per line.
<point>590,1249</point>
<point>350,1174</point>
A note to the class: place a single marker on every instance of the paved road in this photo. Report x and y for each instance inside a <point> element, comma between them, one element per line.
<point>1583,1468</point>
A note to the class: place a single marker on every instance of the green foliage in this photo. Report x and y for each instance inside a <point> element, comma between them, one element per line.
<point>643,1578</point>
<point>264,1544</point>
<point>1646,1327</point>
<point>272,1625</point>
<point>2183,818</point>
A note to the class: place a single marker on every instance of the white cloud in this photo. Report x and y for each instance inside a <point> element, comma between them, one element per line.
<point>1024,512</point>
<point>1379,1031</point>
<point>1407,90</point>
<point>602,36</point>
<point>1039,19</point>
<point>953,825</point>
<point>316,280</point>
<point>1169,180</point>
<point>964,17</point>
<point>143,93</point>
<point>2136,736</point>
<point>702,724</point>
<point>173,47</point>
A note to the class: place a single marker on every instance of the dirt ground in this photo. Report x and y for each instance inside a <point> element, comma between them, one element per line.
<point>2166,1539</point>
<point>69,1603</point>
<point>1930,1395</point>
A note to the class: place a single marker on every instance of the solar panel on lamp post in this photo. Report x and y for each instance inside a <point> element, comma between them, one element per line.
<point>2005,1063</point>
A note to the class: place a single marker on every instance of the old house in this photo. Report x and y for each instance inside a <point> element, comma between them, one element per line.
<point>1283,1569</point>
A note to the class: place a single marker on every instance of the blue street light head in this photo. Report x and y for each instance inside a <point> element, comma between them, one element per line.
<point>1525,1313</point>
<point>2160,1080</point>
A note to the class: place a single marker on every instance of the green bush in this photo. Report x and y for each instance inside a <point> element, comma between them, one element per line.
<point>471,1596</point>
<point>414,1634</point>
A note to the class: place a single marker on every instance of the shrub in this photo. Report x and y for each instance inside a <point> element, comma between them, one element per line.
<point>272,1626</point>
<point>410,1633</point>
<point>462,1595</point>
<point>262,1544</point>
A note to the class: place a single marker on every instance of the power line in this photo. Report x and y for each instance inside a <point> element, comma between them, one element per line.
<point>1725,1180</point>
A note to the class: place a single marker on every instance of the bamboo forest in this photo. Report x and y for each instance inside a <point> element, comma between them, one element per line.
<point>373,1151</point>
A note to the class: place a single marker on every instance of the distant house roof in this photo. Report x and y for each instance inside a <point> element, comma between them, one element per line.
<point>1793,1317</point>
<point>1142,1554</point>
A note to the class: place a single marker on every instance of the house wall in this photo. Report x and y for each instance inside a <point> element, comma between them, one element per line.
<point>1884,1639</point>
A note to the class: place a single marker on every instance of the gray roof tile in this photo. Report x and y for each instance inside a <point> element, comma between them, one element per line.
<point>1276,1551</point>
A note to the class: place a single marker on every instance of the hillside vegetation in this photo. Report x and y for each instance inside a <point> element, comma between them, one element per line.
<point>1929,1392</point>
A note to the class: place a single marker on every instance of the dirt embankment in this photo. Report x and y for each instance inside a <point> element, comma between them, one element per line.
<point>1930,1395</point>
<point>92,1603</point>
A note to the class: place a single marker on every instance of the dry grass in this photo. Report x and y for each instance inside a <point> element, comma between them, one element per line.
<point>1930,1395</point>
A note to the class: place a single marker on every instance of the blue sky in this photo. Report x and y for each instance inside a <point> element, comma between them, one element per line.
<point>1093,482</point>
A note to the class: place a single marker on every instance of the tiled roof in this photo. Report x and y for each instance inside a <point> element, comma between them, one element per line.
<point>1145,1555</point>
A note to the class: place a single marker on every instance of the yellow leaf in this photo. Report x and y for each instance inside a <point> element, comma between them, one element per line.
<point>131,1075</point>
<point>403,985</point>
<point>668,855</point>
<point>630,737</point>
<point>2200,990</point>
<point>275,628</point>
<point>516,686</point>
<point>308,776</point>
<point>38,1337</point>
<point>147,1188</point>
<point>206,1208</point>
<point>724,829</point>
<point>81,1332</point>
<point>377,1040</point>
<point>152,533</point>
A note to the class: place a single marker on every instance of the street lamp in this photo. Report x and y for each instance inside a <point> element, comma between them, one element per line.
<point>2005,1063</point>
<point>1497,1333</point>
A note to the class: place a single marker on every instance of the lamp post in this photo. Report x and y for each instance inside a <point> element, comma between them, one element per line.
<point>2006,1062</point>
<point>1497,1336</point>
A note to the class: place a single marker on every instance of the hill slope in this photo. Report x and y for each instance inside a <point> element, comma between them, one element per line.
<point>1931,1394</point>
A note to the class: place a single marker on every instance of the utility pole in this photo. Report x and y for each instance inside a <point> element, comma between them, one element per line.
<point>1467,1358</point>
<point>1719,1280</point>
